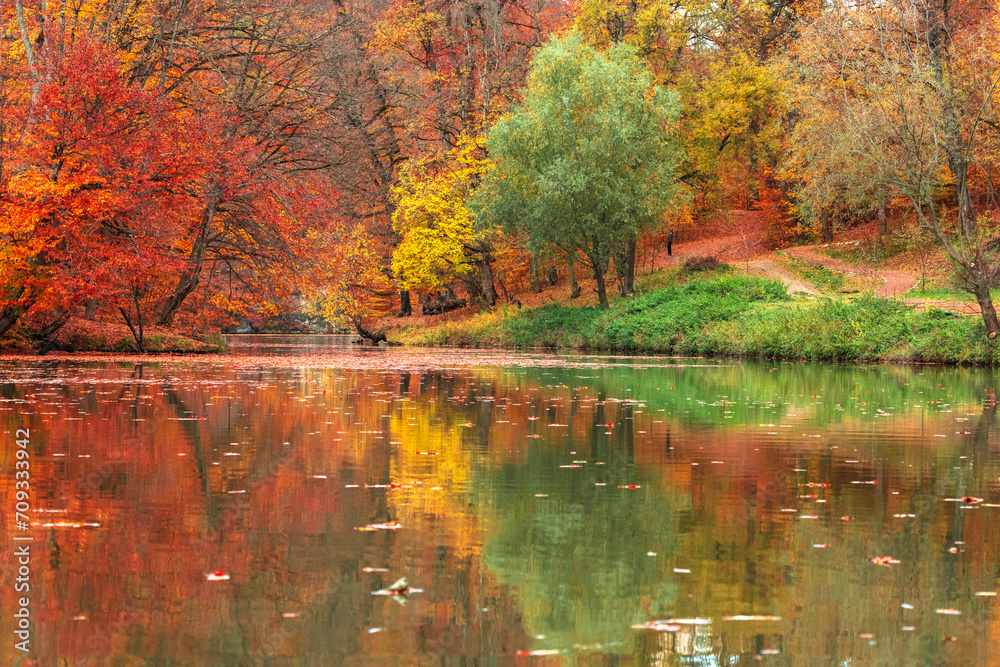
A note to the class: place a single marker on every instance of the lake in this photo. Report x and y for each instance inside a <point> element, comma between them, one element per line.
<point>544,510</point>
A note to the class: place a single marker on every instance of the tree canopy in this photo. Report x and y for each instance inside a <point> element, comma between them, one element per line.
<point>589,159</point>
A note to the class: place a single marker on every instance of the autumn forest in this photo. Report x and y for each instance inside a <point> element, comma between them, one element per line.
<point>187,163</point>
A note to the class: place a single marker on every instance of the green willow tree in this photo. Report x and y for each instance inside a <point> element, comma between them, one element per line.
<point>589,159</point>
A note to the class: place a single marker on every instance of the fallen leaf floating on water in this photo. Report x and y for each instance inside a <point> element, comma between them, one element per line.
<point>374,569</point>
<point>817,485</point>
<point>428,453</point>
<point>548,651</point>
<point>218,575</point>
<point>870,481</point>
<point>987,594</point>
<point>400,589</point>
<point>657,626</point>
<point>68,524</point>
<point>629,486</point>
<point>391,525</point>
<point>751,618</point>
<point>884,560</point>
<point>948,612</point>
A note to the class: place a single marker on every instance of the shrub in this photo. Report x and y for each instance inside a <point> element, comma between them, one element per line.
<point>701,264</point>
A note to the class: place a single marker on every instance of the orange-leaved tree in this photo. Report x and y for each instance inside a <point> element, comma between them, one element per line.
<point>94,182</point>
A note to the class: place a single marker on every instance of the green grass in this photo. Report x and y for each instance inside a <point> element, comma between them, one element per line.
<point>123,345</point>
<point>944,293</point>
<point>656,320</point>
<point>940,294</point>
<point>217,341</point>
<point>723,314</point>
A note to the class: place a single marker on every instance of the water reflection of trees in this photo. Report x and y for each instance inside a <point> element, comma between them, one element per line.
<point>572,565</point>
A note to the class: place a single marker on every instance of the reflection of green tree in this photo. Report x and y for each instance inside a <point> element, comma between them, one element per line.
<point>755,392</point>
<point>579,556</point>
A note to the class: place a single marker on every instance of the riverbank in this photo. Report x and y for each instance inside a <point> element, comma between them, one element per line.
<point>82,335</point>
<point>722,313</point>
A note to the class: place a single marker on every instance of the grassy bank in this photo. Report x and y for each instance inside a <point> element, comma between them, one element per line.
<point>724,314</point>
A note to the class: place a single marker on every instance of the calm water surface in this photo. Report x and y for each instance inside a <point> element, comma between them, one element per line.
<point>579,510</point>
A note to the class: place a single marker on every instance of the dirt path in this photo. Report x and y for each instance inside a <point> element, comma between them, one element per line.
<point>793,284</point>
<point>888,284</point>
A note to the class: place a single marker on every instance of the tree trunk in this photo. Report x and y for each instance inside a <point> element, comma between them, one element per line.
<point>374,336</point>
<point>10,314</point>
<point>574,286</point>
<point>405,305</point>
<point>959,168</point>
<point>137,334</point>
<point>982,291</point>
<point>189,279</point>
<point>9,317</point>
<point>489,290</point>
<point>971,277</point>
<point>602,292</point>
<point>940,42</point>
<point>536,283</point>
<point>46,336</point>
<point>629,285</point>
<point>599,266</point>
<point>825,227</point>
<point>883,228</point>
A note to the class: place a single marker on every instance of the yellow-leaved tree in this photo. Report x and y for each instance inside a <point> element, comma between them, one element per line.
<point>440,241</point>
